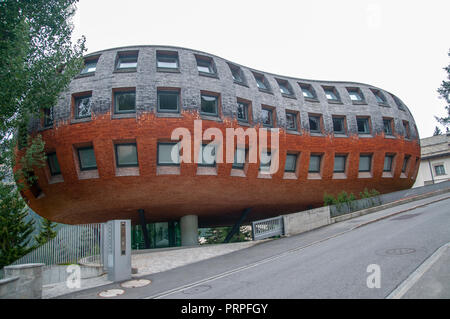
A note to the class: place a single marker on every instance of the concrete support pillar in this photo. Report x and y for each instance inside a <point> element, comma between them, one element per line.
<point>189,230</point>
<point>144,228</point>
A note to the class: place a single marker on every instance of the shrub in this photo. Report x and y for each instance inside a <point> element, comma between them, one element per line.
<point>328,199</point>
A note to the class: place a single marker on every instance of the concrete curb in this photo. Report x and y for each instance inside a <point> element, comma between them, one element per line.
<point>403,288</point>
<point>399,212</point>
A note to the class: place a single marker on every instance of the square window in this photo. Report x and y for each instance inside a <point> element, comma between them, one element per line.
<point>205,65</point>
<point>86,158</point>
<point>331,94</point>
<point>205,68</point>
<point>167,60</point>
<point>168,154</point>
<point>125,102</point>
<point>355,94</point>
<point>314,124</point>
<point>387,126</point>
<point>339,163</point>
<point>53,164</point>
<point>207,156</point>
<point>127,61</point>
<point>83,106</point>
<point>308,91</point>
<point>237,74</point>
<point>90,66</point>
<point>291,163</point>
<point>314,163</point>
<point>379,96</point>
<point>365,163</point>
<point>285,87</point>
<point>168,101</point>
<point>406,130</point>
<point>399,103</point>
<point>239,158</point>
<point>388,160</point>
<point>48,117</point>
<point>363,125</point>
<point>209,105</point>
<point>405,163</point>
<point>439,169</point>
<point>261,82</point>
<point>267,117</point>
<point>126,155</point>
<point>265,161</point>
<point>291,121</point>
<point>339,125</point>
<point>242,111</point>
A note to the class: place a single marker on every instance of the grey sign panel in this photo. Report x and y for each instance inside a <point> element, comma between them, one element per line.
<point>117,247</point>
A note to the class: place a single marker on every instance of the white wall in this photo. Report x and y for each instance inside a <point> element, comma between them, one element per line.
<point>301,222</point>
<point>424,176</point>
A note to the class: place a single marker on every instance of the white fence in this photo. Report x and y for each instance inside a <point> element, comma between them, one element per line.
<point>71,244</point>
<point>267,228</point>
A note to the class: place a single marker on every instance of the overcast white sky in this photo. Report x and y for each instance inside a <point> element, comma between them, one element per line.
<point>400,46</point>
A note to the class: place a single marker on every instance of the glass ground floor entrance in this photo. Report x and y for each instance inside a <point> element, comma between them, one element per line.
<point>160,235</point>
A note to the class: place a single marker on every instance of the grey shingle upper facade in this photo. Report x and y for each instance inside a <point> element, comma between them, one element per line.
<point>147,78</point>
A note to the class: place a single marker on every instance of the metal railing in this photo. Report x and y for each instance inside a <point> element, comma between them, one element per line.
<point>352,206</point>
<point>71,244</point>
<point>267,228</point>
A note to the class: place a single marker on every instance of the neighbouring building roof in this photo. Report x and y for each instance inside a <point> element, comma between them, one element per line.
<point>435,146</point>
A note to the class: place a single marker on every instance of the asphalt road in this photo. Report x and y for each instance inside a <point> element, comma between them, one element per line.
<point>330,262</point>
<point>337,268</point>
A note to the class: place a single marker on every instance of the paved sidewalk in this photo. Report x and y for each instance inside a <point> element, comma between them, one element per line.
<point>59,289</point>
<point>152,262</point>
<point>158,261</point>
<point>431,279</point>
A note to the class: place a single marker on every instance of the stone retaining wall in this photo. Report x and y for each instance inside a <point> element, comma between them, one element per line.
<point>304,221</point>
<point>22,282</point>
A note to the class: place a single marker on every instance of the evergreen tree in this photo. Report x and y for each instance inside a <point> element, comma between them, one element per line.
<point>37,62</point>
<point>15,232</point>
<point>47,232</point>
<point>444,92</point>
<point>437,131</point>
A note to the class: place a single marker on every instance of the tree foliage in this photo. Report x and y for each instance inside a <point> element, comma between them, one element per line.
<point>47,232</point>
<point>444,93</point>
<point>345,198</point>
<point>329,200</point>
<point>33,157</point>
<point>14,230</point>
<point>437,131</point>
<point>37,62</point>
<point>217,235</point>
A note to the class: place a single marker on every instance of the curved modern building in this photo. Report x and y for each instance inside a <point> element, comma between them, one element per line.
<point>108,140</point>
